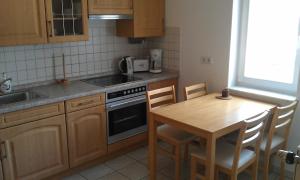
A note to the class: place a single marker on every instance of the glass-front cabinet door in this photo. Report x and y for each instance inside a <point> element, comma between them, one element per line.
<point>67,20</point>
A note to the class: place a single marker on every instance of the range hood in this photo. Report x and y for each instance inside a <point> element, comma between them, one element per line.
<point>109,16</point>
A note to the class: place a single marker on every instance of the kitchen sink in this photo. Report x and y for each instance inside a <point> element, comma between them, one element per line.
<point>19,97</point>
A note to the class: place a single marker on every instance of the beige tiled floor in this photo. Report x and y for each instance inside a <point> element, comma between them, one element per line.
<point>133,166</point>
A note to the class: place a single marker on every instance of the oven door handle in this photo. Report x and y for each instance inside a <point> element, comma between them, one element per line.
<point>123,103</point>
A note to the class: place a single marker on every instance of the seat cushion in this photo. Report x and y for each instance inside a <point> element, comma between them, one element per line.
<point>276,141</point>
<point>176,135</point>
<point>225,155</point>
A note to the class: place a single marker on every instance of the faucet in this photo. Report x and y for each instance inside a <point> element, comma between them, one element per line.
<point>5,85</point>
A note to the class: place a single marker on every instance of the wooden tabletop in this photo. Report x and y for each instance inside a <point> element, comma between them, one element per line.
<point>210,114</point>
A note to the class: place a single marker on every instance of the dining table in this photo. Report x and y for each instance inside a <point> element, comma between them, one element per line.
<point>207,117</point>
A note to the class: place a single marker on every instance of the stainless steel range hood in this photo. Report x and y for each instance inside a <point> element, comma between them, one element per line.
<point>109,16</point>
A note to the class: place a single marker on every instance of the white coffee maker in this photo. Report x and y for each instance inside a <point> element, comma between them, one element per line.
<point>156,60</point>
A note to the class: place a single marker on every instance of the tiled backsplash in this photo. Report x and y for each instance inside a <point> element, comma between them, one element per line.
<point>39,63</point>
<point>170,44</point>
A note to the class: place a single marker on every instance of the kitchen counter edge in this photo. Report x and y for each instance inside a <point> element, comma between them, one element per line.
<point>55,93</point>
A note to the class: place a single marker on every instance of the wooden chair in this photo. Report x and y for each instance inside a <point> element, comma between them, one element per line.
<point>172,136</point>
<point>232,159</point>
<point>195,91</point>
<point>273,141</point>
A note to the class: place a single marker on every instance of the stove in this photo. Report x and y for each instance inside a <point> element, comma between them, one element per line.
<point>126,107</point>
<point>111,80</point>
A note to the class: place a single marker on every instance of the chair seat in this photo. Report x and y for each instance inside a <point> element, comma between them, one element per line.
<point>225,155</point>
<point>167,132</point>
<point>276,141</point>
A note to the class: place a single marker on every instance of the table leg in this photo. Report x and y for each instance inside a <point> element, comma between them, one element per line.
<point>210,154</point>
<point>152,146</point>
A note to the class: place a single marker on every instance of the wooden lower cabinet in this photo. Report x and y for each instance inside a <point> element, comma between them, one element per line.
<point>163,83</point>
<point>86,135</point>
<point>34,150</point>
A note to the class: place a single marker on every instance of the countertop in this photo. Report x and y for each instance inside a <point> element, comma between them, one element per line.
<point>57,93</point>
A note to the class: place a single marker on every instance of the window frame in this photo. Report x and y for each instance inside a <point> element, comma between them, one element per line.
<point>266,85</point>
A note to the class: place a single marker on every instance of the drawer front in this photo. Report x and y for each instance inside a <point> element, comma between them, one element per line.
<point>32,114</point>
<point>85,102</point>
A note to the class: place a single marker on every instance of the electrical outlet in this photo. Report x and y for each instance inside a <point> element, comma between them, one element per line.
<point>207,60</point>
<point>210,60</point>
<point>203,60</point>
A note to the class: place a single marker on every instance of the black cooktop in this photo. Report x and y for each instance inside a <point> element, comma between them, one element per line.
<point>111,80</point>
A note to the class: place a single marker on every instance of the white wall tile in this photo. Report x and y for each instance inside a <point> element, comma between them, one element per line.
<point>171,47</point>
<point>29,54</point>
<point>30,64</point>
<point>22,75</point>
<point>34,63</point>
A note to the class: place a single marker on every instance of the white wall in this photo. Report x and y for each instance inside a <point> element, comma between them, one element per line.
<point>205,31</point>
<point>205,27</point>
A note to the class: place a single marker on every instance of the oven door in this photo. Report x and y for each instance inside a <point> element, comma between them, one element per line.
<point>126,118</point>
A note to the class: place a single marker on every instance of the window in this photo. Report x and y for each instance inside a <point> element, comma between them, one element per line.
<point>268,45</point>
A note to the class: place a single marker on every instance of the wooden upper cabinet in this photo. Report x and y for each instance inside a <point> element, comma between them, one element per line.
<point>86,135</point>
<point>67,20</point>
<point>36,150</point>
<point>22,22</point>
<point>148,20</point>
<point>110,7</point>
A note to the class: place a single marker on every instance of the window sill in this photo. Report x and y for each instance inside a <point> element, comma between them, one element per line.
<point>266,96</point>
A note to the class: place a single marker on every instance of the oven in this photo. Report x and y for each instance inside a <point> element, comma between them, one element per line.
<point>126,116</point>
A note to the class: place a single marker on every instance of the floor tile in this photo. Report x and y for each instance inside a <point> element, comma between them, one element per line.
<point>74,177</point>
<point>134,171</point>
<point>119,162</point>
<point>139,154</point>
<point>133,166</point>
<point>114,176</point>
<point>168,171</point>
<point>162,161</point>
<point>96,172</point>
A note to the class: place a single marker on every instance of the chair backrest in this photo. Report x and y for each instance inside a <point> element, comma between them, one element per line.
<point>195,91</point>
<point>250,135</point>
<point>161,97</point>
<point>281,121</point>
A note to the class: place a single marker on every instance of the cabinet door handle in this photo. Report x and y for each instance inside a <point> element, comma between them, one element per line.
<point>49,25</point>
<point>85,103</point>
<point>3,150</point>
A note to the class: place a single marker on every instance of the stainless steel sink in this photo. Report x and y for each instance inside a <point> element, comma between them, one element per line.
<point>19,97</point>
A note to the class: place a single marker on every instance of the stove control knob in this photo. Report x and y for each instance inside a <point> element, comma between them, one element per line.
<point>140,89</point>
<point>136,90</point>
<point>124,92</point>
<point>128,91</point>
<point>132,91</point>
